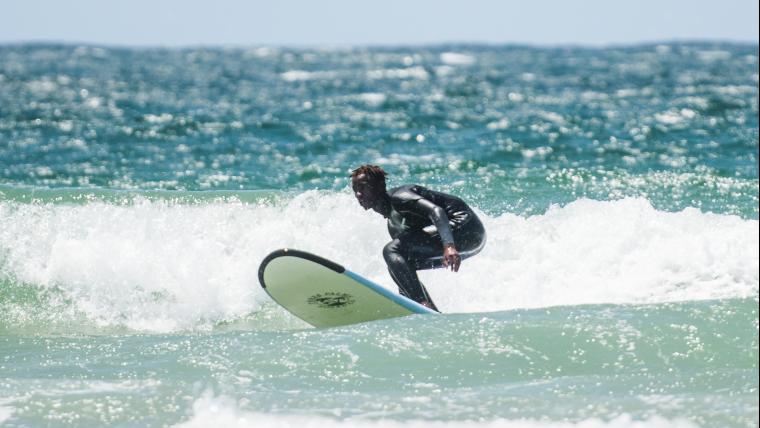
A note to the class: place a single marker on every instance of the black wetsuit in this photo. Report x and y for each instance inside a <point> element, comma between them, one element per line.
<point>421,222</point>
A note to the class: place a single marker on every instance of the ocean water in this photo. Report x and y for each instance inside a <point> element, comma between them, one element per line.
<point>140,189</point>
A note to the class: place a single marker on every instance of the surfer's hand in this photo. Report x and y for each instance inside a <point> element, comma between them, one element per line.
<point>451,257</point>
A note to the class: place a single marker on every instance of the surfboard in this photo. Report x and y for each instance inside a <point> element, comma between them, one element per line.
<point>325,294</point>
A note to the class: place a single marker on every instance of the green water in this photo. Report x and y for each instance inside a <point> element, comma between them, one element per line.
<point>141,188</point>
<point>692,360</point>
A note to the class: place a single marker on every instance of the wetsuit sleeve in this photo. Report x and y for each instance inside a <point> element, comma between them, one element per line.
<point>439,218</point>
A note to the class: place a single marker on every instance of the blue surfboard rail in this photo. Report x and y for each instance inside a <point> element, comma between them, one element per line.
<point>397,298</point>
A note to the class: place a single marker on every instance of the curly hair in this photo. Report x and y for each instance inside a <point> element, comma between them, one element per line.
<point>375,174</point>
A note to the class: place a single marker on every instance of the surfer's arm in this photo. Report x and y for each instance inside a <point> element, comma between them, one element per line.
<point>437,215</point>
<point>439,218</point>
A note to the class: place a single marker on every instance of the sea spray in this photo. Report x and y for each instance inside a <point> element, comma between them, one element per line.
<point>168,266</point>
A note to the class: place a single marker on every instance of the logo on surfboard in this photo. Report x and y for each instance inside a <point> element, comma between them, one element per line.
<point>331,300</point>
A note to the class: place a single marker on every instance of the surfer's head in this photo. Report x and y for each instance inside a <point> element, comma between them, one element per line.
<point>368,183</point>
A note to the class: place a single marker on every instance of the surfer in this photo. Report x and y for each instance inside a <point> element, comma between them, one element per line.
<point>429,229</point>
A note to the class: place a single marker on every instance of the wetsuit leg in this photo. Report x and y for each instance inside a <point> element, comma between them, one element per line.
<point>402,256</point>
<point>416,250</point>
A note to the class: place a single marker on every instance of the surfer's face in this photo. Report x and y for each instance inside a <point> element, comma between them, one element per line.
<point>366,192</point>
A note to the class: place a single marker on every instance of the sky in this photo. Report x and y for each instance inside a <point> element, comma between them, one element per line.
<point>370,22</point>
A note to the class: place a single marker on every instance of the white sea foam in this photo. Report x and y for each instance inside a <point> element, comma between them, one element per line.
<point>373,99</point>
<point>398,73</point>
<point>165,266</point>
<point>673,117</point>
<point>223,411</point>
<point>5,414</point>
<point>714,55</point>
<point>302,75</point>
<point>455,58</point>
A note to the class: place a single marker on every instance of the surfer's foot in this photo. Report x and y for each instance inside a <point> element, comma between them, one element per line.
<point>428,305</point>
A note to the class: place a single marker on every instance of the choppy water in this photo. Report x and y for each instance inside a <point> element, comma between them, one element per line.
<point>139,189</point>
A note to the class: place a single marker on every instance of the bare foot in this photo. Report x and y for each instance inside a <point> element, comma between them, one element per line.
<point>428,305</point>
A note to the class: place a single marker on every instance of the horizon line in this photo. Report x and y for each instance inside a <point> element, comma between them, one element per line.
<point>381,45</point>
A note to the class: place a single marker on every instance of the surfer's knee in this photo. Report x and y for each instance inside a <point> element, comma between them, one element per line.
<point>391,252</point>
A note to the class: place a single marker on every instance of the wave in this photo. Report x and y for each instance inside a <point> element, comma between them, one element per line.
<point>172,264</point>
<point>222,410</point>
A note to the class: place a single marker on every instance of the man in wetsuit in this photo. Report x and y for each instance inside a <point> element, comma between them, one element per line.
<point>429,229</point>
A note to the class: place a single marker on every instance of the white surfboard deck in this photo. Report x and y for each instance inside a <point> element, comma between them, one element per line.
<point>325,294</point>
